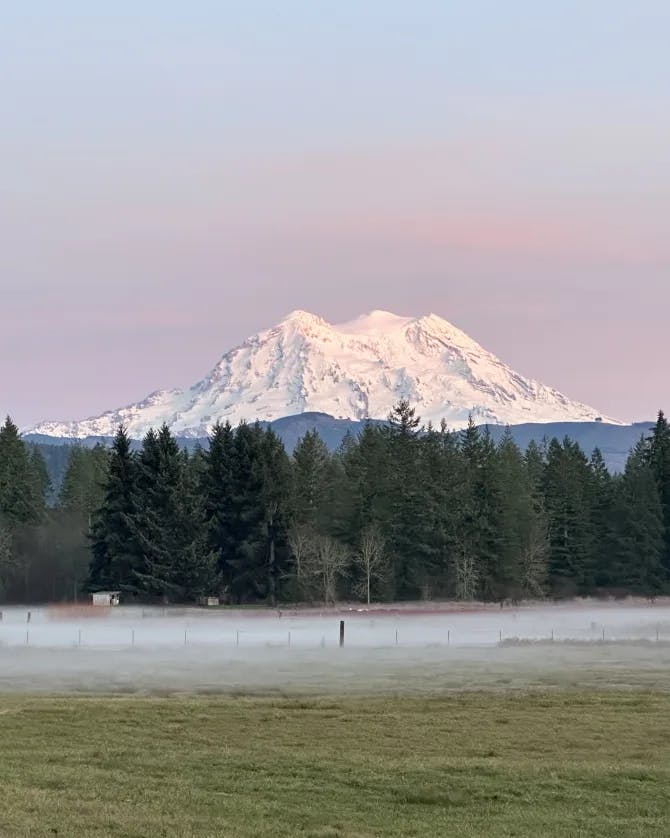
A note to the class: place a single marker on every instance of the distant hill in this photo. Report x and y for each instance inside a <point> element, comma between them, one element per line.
<point>614,441</point>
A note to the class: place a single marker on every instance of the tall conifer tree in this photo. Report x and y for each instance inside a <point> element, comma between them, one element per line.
<point>115,552</point>
<point>658,457</point>
<point>634,541</point>
<point>409,539</point>
<point>567,484</point>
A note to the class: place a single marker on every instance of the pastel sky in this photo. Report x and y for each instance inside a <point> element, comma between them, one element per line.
<point>178,175</point>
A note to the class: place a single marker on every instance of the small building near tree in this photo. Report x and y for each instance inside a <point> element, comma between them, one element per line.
<point>106,598</point>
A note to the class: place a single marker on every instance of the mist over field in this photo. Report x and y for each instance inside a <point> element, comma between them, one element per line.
<point>398,649</point>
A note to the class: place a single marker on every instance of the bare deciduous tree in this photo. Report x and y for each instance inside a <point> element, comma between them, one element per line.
<point>467,576</point>
<point>371,559</point>
<point>326,563</point>
<point>534,561</point>
<point>301,544</point>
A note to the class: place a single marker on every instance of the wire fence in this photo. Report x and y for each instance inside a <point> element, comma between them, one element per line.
<point>156,628</point>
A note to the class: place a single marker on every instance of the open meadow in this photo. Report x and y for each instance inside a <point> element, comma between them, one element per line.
<point>197,723</point>
<point>472,764</point>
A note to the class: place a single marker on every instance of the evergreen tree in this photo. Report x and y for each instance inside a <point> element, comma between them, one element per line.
<point>441,470</point>
<point>515,520</point>
<point>466,564</point>
<point>535,526</point>
<point>22,509</point>
<point>81,491</point>
<point>567,480</point>
<point>22,484</point>
<point>215,470</point>
<point>176,562</point>
<point>40,476</point>
<point>153,526</point>
<point>658,457</point>
<point>275,500</point>
<point>115,552</point>
<point>477,567</point>
<point>634,540</point>
<point>535,460</point>
<point>403,421</point>
<point>601,499</point>
<point>409,539</point>
<point>195,571</point>
<point>367,469</point>
<point>246,565</point>
<point>309,480</point>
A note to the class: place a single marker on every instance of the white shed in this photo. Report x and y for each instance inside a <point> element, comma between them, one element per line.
<point>209,601</point>
<point>106,598</point>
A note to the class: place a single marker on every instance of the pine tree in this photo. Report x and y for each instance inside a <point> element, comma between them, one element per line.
<point>601,499</point>
<point>40,476</point>
<point>442,470</point>
<point>514,520</point>
<point>275,499</point>
<point>22,483</point>
<point>567,481</point>
<point>477,566</point>
<point>658,457</point>
<point>153,526</point>
<point>466,565</point>
<point>403,421</point>
<point>409,538</point>
<point>309,478</point>
<point>367,471</point>
<point>176,561</point>
<point>246,565</point>
<point>22,509</point>
<point>81,491</point>
<point>195,570</point>
<point>215,470</point>
<point>535,526</point>
<point>115,552</point>
<point>535,460</point>
<point>634,541</point>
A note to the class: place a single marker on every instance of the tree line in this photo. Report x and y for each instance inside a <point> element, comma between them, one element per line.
<point>397,512</point>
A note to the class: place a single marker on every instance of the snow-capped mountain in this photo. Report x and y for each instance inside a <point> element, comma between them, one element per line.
<point>355,370</point>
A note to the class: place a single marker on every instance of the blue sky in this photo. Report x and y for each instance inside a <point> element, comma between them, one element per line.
<point>177,176</point>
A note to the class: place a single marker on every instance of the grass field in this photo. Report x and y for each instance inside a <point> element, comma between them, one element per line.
<point>472,764</point>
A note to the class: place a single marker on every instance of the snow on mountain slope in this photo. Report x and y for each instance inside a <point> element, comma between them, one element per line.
<point>352,370</point>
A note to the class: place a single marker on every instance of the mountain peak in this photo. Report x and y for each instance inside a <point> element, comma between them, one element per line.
<point>376,320</point>
<point>298,317</point>
<point>356,370</point>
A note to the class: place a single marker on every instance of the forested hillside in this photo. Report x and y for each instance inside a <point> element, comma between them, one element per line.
<point>397,512</point>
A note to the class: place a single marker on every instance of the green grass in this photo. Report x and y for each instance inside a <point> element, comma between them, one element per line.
<point>477,764</point>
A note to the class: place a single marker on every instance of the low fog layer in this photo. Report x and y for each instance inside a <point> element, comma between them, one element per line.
<point>190,650</point>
